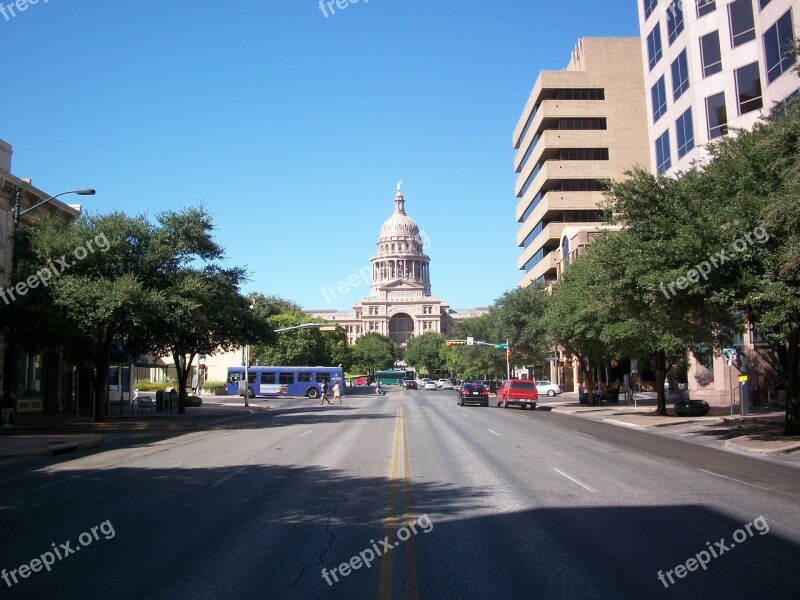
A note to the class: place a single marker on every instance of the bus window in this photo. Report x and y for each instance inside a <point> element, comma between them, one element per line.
<point>286,378</point>
<point>323,377</point>
<point>304,377</point>
<point>251,377</point>
<point>267,378</point>
<point>234,376</point>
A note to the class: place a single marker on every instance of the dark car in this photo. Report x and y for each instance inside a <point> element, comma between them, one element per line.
<point>489,385</point>
<point>410,384</point>
<point>473,393</point>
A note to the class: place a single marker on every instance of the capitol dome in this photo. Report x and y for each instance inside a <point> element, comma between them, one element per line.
<point>400,252</point>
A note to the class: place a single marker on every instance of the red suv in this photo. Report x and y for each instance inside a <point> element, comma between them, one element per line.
<point>521,392</point>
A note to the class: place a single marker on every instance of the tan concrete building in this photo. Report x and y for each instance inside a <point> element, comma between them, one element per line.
<point>580,128</point>
<point>42,380</point>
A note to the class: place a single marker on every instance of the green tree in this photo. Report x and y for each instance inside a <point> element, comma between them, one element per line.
<point>519,314</point>
<point>757,173</point>
<point>428,352</point>
<point>373,352</point>
<point>479,362</point>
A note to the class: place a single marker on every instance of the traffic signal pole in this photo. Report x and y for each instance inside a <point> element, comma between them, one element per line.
<point>508,360</point>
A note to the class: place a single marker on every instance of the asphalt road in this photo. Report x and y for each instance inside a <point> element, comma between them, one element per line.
<point>473,502</point>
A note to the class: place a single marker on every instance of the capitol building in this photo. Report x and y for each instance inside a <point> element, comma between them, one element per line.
<point>400,305</point>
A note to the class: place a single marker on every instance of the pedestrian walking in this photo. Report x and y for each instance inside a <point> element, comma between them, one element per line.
<point>337,393</point>
<point>324,390</point>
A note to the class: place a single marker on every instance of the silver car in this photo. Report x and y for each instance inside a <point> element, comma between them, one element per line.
<point>547,387</point>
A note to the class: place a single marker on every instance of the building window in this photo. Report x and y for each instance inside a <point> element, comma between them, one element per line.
<point>663,158</point>
<point>743,27</point>
<point>654,46</point>
<point>565,252</point>
<point>777,40</point>
<point>649,5</point>
<point>658,94</point>
<point>748,88</point>
<point>705,7</point>
<point>684,133</point>
<point>717,115</point>
<point>29,375</point>
<point>674,21</point>
<point>680,75</point>
<point>580,94</point>
<point>710,54</point>
<point>583,154</point>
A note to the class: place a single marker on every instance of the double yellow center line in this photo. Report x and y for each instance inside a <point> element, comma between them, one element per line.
<point>400,478</point>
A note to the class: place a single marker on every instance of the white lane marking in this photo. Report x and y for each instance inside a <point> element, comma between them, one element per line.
<point>574,480</point>
<point>224,479</point>
<point>586,435</point>
<point>494,432</point>
<point>306,433</point>
<point>736,480</point>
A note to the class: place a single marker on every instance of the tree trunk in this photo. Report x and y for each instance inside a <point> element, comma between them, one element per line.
<point>792,374</point>
<point>102,362</point>
<point>183,368</point>
<point>661,373</point>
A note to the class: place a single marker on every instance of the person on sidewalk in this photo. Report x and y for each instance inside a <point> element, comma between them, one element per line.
<point>7,404</point>
<point>337,393</point>
<point>324,390</point>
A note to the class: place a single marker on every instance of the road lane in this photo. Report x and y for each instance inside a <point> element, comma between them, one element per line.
<point>518,505</point>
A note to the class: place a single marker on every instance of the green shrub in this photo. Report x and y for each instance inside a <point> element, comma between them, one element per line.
<point>211,385</point>
<point>146,386</point>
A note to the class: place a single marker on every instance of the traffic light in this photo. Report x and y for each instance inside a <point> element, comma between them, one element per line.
<point>455,342</point>
<point>508,353</point>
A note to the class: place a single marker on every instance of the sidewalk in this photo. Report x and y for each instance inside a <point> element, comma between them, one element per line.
<point>761,432</point>
<point>45,434</point>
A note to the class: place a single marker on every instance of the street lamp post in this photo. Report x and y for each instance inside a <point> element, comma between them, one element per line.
<point>9,371</point>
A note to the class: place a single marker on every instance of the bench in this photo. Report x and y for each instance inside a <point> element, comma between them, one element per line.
<point>143,402</point>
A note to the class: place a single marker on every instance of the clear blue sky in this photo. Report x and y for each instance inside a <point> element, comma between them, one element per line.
<point>293,128</point>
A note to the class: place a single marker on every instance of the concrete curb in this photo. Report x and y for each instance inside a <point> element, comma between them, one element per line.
<point>780,447</point>
<point>68,447</point>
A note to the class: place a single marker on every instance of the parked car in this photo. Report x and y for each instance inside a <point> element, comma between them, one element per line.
<point>444,384</point>
<point>429,384</point>
<point>361,381</point>
<point>410,384</point>
<point>473,393</point>
<point>518,392</point>
<point>547,387</point>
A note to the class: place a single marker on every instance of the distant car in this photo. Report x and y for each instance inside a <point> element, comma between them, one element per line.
<point>547,387</point>
<point>429,385</point>
<point>473,393</point>
<point>410,384</point>
<point>519,392</point>
<point>361,381</point>
<point>444,384</point>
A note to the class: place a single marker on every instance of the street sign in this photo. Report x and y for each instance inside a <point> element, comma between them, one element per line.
<point>500,346</point>
<point>470,341</point>
<point>729,354</point>
<point>634,365</point>
<point>742,378</point>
